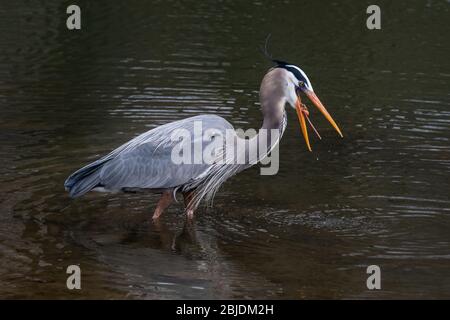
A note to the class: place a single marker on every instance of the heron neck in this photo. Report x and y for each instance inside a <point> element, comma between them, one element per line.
<point>269,135</point>
<point>272,108</point>
<point>272,98</point>
<point>273,121</point>
<point>273,127</point>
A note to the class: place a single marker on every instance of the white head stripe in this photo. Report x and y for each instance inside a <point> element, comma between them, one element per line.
<point>303,74</point>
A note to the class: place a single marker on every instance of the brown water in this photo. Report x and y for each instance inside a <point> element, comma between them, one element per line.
<point>379,196</point>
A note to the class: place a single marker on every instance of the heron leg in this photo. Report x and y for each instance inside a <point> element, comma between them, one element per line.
<point>163,203</point>
<point>188,203</point>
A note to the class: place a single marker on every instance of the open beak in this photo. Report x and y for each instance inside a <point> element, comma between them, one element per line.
<point>302,113</point>
<point>301,119</point>
<point>312,96</point>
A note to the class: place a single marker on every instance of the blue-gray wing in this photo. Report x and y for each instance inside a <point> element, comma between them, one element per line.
<point>147,160</point>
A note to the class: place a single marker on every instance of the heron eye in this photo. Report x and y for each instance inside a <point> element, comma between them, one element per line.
<point>301,84</point>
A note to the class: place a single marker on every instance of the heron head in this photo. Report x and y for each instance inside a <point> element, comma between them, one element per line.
<point>299,83</point>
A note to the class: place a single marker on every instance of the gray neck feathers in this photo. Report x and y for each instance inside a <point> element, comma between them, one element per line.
<point>272,99</point>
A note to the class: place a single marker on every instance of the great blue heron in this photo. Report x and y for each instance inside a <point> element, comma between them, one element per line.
<point>145,162</point>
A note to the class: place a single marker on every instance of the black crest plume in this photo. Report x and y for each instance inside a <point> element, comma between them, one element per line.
<point>265,52</point>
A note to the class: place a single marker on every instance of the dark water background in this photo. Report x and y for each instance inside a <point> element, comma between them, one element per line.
<point>379,196</point>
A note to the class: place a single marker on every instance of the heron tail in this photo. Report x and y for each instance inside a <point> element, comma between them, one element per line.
<point>84,179</point>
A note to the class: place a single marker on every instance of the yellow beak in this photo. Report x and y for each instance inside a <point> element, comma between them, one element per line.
<point>301,119</point>
<point>301,115</point>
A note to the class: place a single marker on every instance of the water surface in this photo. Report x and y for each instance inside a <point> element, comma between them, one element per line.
<point>379,196</point>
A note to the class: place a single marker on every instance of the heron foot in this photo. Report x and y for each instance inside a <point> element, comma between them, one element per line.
<point>163,203</point>
<point>190,214</point>
<point>188,196</point>
<point>156,215</point>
